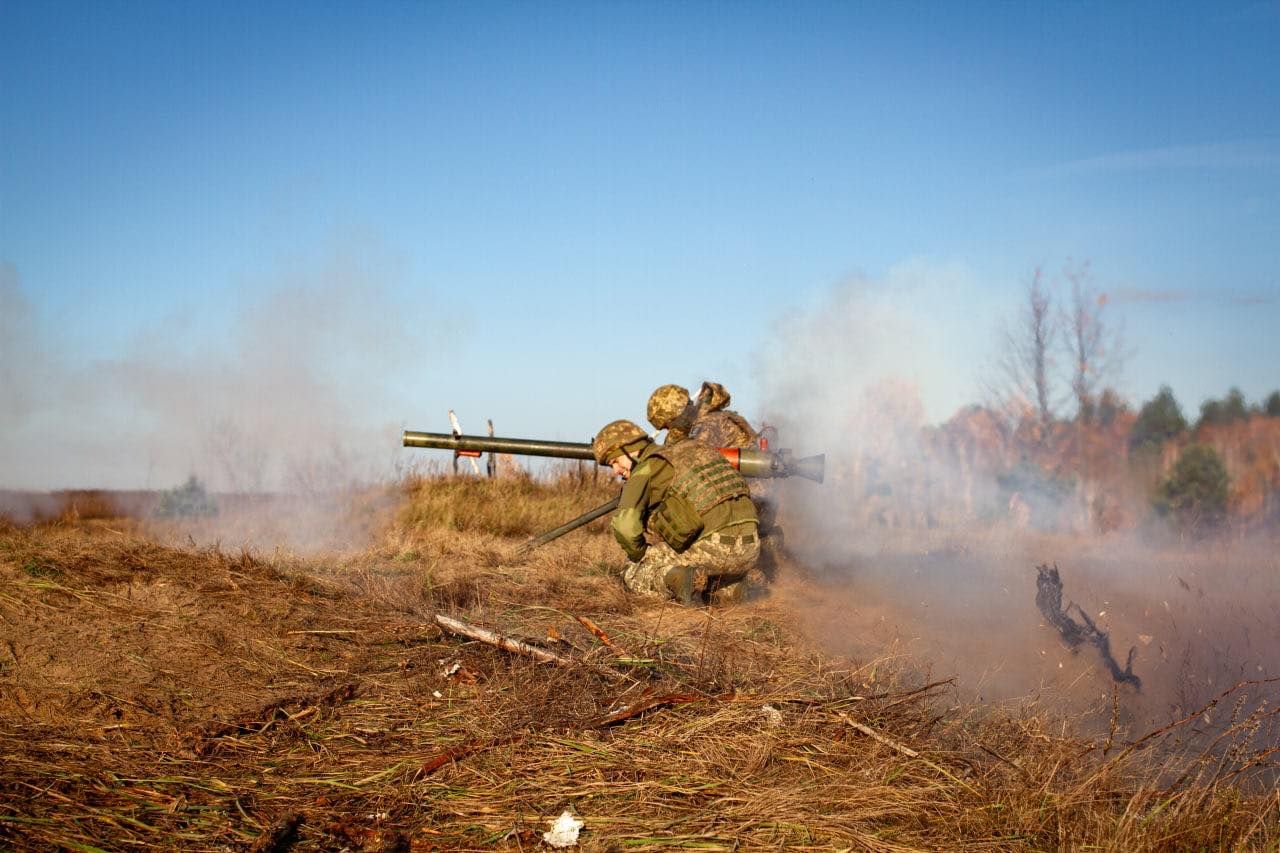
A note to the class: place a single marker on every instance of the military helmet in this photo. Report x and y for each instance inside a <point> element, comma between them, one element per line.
<point>665,404</point>
<point>608,443</point>
<point>717,396</point>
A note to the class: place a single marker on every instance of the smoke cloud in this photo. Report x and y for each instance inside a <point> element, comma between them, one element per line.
<point>297,401</point>
<point>925,538</point>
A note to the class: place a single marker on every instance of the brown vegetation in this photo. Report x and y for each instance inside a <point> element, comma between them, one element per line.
<point>165,695</point>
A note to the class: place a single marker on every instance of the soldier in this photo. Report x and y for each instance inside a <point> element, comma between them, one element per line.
<point>718,426</point>
<point>705,418</point>
<point>669,408</point>
<point>708,420</point>
<point>694,505</point>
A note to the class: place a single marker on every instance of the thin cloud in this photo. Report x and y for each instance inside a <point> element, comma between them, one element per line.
<point>1253,299</point>
<point>1137,295</point>
<point>1157,296</point>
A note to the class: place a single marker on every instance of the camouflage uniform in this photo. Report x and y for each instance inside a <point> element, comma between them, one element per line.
<point>723,429</point>
<point>716,425</point>
<point>719,563</point>
<point>720,427</point>
<point>692,506</point>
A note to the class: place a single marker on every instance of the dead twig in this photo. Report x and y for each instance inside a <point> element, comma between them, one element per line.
<point>457,753</point>
<point>600,635</point>
<point>519,647</point>
<point>501,641</point>
<point>262,719</point>
<point>904,750</point>
<point>647,702</point>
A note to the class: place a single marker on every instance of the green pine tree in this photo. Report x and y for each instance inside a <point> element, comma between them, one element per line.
<point>1194,495</point>
<point>1159,420</point>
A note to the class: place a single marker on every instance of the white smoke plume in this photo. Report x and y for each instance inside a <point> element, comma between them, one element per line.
<point>920,542</point>
<point>297,398</point>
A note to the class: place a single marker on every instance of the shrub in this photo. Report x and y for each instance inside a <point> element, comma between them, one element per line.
<point>1194,495</point>
<point>1230,408</point>
<point>1159,420</point>
<point>1272,406</point>
<point>186,501</point>
<point>1105,409</point>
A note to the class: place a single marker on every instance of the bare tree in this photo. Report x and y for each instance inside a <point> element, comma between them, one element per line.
<point>1025,363</point>
<point>1095,352</point>
<point>243,461</point>
<point>1095,348</point>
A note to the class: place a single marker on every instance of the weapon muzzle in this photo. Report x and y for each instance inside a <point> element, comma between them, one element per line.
<point>780,463</point>
<point>810,467</point>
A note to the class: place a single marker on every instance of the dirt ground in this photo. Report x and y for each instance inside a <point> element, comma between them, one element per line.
<point>163,687</point>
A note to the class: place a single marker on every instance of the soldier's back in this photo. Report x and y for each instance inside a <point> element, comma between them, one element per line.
<point>723,428</point>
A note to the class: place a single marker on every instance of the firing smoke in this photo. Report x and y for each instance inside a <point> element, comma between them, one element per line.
<point>299,400</point>
<point>926,535</point>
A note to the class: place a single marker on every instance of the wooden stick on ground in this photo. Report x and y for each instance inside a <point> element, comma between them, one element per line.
<point>502,641</point>
<point>876,736</point>
<point>902,750</point>
<point>507,644</point>
<point>600,634</point>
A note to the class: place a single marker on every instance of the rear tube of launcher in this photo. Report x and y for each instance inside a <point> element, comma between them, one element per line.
<point>751,463</point>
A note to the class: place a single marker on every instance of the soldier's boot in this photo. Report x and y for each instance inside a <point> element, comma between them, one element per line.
<point>680,581</point>
<point>772,552</point>
<point>733,593</point>
<point>727,589</point>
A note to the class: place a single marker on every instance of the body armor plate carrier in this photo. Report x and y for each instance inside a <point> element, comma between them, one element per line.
<point>703,479</point>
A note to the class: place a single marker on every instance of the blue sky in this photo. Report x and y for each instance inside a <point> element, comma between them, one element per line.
<point>538,212</point>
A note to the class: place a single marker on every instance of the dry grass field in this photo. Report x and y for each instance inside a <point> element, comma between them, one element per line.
<point>274,678</point>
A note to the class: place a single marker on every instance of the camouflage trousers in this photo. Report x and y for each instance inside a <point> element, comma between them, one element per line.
<point>717,560</point>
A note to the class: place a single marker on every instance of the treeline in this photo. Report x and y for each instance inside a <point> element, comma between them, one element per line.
<point>1064,432</point>
<point>1161,418</point>
<point>1195,491</point>
<point>1104,468</point>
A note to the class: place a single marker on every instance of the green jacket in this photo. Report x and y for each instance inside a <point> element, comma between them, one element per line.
<point>645,491</point>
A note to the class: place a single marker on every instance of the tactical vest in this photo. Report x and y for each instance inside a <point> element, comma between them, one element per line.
<point>702,479</point>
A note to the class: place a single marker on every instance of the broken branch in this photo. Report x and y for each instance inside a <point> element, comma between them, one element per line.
<point>903,750</point>
<point>519,647</point>
<point>600,634</point>
<point>502,641</point>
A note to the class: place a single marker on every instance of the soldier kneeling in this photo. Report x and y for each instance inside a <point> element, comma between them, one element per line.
<point>695,506</point>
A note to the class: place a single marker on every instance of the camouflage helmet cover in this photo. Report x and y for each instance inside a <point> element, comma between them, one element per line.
<point>613,436</point>
<point>717,396</point>
<point>665,404</point>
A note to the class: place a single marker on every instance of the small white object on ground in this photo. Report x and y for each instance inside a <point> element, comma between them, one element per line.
<point>772,715</point>
<point>564,831</point>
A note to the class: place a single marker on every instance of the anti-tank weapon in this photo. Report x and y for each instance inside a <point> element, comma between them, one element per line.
<point>751,463</point>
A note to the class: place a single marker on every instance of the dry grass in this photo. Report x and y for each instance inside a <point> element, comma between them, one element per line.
<point>157,696</point>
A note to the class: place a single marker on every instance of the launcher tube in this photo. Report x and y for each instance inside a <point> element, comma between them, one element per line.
<point>491,444</point>
<point>570,526</point>
<point>752,463</point>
